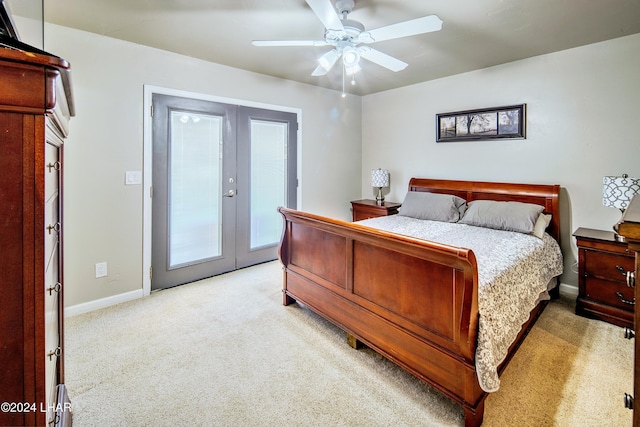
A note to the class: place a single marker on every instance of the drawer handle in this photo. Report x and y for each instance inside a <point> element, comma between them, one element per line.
<point>631,279</point>
<point>55,420</point>
<point>55,227</point>
<point>55,166</point>
<point>55,288</point>
<point>625,301</point>
<point>628,401</point>
<point>621,270</point>
<point>54,353</point>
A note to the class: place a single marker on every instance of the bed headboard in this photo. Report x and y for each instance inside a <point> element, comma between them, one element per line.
<point>539,194</point>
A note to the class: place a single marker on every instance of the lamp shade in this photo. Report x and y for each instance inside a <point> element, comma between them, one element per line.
<point>379,178</point>
<point>350,56</point>
<point>617,191</point>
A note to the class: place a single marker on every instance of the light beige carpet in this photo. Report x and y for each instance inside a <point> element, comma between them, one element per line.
<point>225,352</point>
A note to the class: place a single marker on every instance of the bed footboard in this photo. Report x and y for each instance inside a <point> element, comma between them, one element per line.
<point>413,301</point>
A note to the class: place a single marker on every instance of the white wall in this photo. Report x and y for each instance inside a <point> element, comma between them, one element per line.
<point>581,107</point>
<point>103,217</point>
<point>582,113</point>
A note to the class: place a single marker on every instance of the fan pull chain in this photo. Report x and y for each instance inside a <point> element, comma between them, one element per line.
<point>353,80</point>
<point>344,93</point>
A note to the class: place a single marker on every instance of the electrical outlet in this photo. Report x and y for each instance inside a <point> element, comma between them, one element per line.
<point>101,269</point>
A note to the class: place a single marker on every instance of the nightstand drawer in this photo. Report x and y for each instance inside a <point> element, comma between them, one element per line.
<point>608,266</point>
<point>613,294</point>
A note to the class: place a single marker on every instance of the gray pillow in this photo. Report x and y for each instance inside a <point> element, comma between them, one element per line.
<point>511,216</point>
<point>432,206</point>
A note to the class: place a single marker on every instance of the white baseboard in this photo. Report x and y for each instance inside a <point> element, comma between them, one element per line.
<point>102,303</point>
<point>568,290</point>
<point>565,289</point>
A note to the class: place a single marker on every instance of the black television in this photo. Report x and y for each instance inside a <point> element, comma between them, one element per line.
<point>7,27</point>
<point>9,37</point>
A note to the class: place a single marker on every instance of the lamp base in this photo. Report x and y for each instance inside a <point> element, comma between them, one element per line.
<point>618,237</point>
<point>379,198</point>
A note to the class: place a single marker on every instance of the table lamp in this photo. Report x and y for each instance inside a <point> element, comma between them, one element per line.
<point>617,192</point>
<point>380,180</point>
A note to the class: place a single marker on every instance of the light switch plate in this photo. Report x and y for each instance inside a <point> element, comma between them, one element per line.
<point>133,178</point>
<point>101,269</point>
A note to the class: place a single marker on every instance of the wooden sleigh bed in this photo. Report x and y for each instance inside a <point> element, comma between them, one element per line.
<point>413,301</point>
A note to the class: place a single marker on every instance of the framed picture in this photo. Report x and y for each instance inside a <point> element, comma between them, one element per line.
<point>478,125</point>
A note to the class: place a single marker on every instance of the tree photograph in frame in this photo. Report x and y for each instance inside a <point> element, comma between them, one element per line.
<point>481,125</point>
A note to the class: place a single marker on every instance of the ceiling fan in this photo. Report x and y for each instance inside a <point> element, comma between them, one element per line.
<point>347,36</point>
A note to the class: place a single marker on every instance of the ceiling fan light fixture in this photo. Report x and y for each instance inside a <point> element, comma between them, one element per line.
<point>351,60</point>
<point>347,35</point>
<point>352,69</point>
<point>327,60</point>
<point>350,56</point>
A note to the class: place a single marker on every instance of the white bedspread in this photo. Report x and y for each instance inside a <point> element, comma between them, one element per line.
<point>513,271</point>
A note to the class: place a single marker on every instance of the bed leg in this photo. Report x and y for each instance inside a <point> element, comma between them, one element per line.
<point>354,342</point>
<point>473,416</point>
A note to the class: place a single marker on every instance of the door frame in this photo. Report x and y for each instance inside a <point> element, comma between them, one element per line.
<point>147,177</point>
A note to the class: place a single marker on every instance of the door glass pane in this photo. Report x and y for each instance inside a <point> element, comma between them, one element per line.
<point>268,181</point>
<point>195,186</point>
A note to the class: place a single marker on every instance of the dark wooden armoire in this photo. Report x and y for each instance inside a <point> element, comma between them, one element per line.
<point>35,107</point>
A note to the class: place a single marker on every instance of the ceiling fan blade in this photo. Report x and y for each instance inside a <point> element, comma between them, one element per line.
<point>289,43</point>
<point>326,62</point>
<point>382,59</point>
<point>422,25</point>
<point>327,14</point>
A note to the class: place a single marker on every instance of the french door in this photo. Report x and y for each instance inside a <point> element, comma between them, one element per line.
<point>219,173</point>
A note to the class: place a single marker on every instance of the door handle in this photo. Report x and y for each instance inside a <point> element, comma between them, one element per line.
<point>229,193</point>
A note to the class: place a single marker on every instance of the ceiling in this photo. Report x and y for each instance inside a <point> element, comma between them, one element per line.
<point>475,33</point>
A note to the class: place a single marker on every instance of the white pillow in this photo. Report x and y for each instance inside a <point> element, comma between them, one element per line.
<point>542,223</point>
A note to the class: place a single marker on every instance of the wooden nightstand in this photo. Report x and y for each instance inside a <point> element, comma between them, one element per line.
<point>365,209</point>
<point>603,263</point>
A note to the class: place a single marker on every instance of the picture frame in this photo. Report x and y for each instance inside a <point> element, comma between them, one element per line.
<point>482,125</point>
